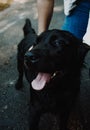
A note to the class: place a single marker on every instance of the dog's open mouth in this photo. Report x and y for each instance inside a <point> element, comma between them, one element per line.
<point>41,80</point>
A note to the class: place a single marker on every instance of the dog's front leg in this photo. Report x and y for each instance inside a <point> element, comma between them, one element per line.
<point>63,120</point>
<point>34,118</point>
<point>20,68</point>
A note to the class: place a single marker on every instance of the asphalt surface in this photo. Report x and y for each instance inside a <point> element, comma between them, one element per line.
<point>14,104</point>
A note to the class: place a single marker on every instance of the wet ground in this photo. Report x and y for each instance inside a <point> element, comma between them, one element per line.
<point>14,104</point>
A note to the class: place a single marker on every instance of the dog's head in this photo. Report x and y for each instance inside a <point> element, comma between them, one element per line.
<point>56,52</point>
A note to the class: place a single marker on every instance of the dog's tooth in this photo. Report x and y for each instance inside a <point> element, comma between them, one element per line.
<point>30,48</point>
<point>53,75</point>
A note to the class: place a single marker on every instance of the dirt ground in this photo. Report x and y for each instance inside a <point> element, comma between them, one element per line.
<point>14,104</point>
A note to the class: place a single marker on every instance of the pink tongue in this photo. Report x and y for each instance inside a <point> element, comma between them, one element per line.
<point>40,81</point>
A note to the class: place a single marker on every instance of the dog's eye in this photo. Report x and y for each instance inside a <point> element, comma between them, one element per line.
<point>57,43</point>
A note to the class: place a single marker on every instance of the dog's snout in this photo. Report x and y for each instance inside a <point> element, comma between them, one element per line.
<point>32,57</point>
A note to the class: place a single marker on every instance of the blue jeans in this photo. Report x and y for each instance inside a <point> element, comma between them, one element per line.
<point>77,21</point>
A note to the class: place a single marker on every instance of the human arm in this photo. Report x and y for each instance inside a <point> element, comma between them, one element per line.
<point>45,11</point>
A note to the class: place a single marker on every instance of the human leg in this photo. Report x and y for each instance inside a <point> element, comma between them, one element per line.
<point>77,21</point>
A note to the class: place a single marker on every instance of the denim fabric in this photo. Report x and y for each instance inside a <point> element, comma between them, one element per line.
<point>77,21</point>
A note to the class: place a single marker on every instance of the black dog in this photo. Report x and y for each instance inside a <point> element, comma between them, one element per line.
<point>52,64</point>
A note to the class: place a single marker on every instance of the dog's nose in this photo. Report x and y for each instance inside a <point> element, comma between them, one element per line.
<point>32,57</point>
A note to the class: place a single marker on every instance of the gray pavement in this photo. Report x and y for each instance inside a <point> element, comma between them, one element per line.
<point>14,104</point>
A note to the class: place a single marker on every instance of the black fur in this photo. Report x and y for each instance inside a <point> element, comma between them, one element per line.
<point>54,51</point>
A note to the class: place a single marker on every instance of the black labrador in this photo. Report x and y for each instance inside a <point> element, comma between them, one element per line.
<point>52,64</point>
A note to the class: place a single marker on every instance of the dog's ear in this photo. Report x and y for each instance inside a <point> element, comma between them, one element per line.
<point>28,27</point>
